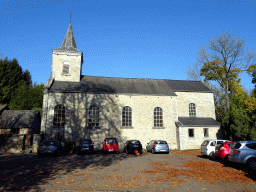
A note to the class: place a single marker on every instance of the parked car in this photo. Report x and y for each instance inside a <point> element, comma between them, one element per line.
<point>84,146</point>
<point>244,152</point>
<point>50,147</point>
<point>156,146</point>
<point>131,146</point>
<point>222,151</point>
<point>208,147</point>
<point>110,145</point>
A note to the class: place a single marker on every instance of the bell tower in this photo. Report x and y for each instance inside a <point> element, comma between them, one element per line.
<point>67,60</point>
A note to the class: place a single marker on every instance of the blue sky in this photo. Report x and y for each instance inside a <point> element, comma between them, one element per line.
<point>155,39</point>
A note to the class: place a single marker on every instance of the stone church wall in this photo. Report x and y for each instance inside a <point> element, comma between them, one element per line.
<point>110,107</point>
<point>204,104</point>
<point>187,142</point>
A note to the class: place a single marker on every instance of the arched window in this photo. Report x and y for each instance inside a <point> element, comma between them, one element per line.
<point>192,110</point>
<point>127,117</point>
<point>94,117</point>
<point>59,116</point>
<point>65,68</point>
<point>158,117</point>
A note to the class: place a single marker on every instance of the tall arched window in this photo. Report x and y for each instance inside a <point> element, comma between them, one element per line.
<point>59,116</point>
<point>192,110</point>
<point>65,68</point>
<point>158,117</point>
<point>127,117</point>
<point>94,116</point>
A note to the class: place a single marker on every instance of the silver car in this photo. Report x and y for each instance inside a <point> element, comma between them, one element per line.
<point>158,146</point>
<point>208,147</point>
<point>244,152</point>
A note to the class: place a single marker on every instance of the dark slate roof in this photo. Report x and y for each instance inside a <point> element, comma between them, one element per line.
<point>17,118</point>
<point>69,43</point>
<point>197,122</point>
<point>94,84</point>
<point>188,86</point>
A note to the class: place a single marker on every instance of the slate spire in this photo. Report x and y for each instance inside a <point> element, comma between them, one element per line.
<point>69,40</point>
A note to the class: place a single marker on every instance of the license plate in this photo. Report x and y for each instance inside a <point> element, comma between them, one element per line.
<point>111,149</point>
<point>162,150</point>
<point>136,146</point>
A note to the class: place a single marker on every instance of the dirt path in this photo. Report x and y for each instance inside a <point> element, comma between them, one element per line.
<point>177,171</point>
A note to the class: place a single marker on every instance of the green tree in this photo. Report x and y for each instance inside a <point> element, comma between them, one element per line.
<point>236,124</point>
<point>27,77</point>
<point>23,97</point>
<point>224,60</point>
<point>10,75</point>
<point>27,97</point>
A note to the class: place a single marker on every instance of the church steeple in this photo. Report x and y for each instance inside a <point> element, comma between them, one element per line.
<point>69,40</point>
<point>67,60</point>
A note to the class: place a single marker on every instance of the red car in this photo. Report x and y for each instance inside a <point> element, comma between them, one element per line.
<point>222,151</point>
<point>110,145</point>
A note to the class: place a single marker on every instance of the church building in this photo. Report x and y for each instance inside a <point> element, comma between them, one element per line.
<point>77,106</point>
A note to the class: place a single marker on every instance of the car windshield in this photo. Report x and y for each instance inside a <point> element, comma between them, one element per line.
<point>50,143</point>
<point>86,142</point>
<point>111,141</point>
<point>205,143</point>
<point>161,142</point>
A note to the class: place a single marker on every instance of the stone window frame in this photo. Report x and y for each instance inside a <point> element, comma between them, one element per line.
<point>66,67</point>
<point>59,116</point>
<point>192,109</point>
<point>206,132</point>
<point>126,118</point>
<point>158,117</point>
<point>93,117</point>
<point>191,133</point>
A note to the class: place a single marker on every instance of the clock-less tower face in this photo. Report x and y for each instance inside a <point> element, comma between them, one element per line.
<point>67,60</point>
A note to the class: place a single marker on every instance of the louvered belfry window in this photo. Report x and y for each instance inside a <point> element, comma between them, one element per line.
<point>127,117</point>
<point>192,110</point>
<point>59,116</point>
<point>158,117</point>
<point>94,117</point>
<point>65,68</point>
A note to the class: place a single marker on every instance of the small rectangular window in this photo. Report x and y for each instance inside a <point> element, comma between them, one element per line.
<point>191,132</point>
<point>65,69</point>
<point>206,132</point>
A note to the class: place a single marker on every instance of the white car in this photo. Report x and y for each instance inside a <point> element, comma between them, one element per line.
<point>208,147</point>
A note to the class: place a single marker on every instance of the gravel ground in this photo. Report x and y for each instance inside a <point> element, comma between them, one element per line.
<point>177,171</point>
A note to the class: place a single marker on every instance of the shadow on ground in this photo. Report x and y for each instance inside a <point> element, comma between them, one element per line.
<point>28,172</point>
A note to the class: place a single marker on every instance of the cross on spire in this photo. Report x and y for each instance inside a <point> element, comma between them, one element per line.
<point>70,16</point>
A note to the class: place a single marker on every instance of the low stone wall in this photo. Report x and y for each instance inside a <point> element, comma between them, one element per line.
<point>15,144</point>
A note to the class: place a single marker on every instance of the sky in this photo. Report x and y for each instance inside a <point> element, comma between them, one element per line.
<point>155,39</point>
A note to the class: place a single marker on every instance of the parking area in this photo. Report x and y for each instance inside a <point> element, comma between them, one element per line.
<point>177,171</point>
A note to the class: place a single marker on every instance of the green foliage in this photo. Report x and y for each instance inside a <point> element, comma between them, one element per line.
<point>236,124</point>
<point>27,97</point>
<point>10,76</point>
<point>23,97</point>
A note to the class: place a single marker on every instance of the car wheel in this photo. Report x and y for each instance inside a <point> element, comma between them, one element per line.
<point>168,152</point>
<point>126,151</point>
<point>77,152</point>
<point>141,152</point>
<point>153,151</point>
<point>39,155</point>
<point>251,164</point>
<point>212,155</point>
